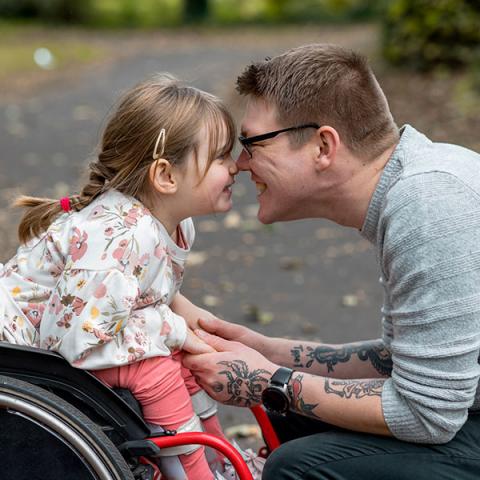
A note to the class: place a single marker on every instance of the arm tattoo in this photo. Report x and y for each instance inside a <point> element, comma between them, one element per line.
<point>354,388</point>
<point>244,386</point>
<point>374,352</point>
<point>296,397</point>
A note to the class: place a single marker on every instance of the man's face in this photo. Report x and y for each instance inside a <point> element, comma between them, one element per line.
<point>283,175</point>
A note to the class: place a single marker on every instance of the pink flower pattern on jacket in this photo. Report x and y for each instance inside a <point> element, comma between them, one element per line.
<point>96,287</point>
<point>78,245</point>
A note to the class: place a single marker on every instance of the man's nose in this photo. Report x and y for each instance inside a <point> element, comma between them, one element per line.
<point>243,160</point>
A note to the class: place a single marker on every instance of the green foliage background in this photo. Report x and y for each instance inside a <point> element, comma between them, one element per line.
<point>162,13</point>
<point>425,34</point>
<point>418,34</point>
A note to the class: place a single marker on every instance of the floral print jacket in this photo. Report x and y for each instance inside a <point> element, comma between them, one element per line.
<point>96,287</point>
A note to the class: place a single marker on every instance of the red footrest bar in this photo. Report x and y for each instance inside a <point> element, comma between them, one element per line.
<point>200,438</point>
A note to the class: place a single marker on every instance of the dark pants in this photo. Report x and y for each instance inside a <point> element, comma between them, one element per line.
<point>315,450</point>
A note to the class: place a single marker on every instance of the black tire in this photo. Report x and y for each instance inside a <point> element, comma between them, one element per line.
<point>40,434</point>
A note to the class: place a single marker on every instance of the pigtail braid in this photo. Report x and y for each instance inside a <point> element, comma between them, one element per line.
<point>98,182</point>
<point>41,212</point>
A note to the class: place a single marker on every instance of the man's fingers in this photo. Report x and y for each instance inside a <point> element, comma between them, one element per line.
<point>192,362</point>
<point>201,347</point>
<point>218,327</point>
<point>218,343</point>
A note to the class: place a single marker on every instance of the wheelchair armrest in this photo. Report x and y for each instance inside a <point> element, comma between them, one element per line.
<point>51,370</point>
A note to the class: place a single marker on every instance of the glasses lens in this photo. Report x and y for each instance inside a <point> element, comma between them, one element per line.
<point>246,148</point>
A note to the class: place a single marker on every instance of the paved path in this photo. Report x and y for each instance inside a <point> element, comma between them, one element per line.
<point>308,279</point>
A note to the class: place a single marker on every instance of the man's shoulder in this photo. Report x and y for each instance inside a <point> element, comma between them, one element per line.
<point>423,199</point>
<point>424,161</point>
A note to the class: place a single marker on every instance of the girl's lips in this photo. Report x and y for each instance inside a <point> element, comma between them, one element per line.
<point>228,188</point>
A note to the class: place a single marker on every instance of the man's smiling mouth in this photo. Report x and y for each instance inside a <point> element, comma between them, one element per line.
<point>261,187</point>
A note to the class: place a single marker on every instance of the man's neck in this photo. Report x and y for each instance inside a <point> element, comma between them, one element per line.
<point>353,195</point>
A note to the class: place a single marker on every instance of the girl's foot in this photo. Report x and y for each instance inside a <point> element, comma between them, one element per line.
<point>253,461</point>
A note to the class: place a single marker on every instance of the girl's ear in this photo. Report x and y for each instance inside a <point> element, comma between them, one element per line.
<point>327,142</point>
<point>162,178</point>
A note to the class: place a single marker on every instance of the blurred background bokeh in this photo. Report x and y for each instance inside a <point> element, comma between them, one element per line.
<point>63,63</point>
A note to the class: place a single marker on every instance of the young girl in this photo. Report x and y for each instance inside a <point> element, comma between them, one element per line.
<point>98,274</point>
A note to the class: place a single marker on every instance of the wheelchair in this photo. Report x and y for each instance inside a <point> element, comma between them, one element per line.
<point>60,422</point>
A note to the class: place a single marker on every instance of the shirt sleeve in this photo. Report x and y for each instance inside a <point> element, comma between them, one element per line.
<point>91,320</point>
<point>431,273</point>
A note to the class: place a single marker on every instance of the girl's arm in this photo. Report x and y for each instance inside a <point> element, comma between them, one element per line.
<point>182,306</point>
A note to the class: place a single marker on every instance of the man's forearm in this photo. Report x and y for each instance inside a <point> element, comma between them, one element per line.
<point>350,404</point>
<point>369,359</point>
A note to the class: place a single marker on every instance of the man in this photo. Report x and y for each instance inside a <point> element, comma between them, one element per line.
<point>319,141</point>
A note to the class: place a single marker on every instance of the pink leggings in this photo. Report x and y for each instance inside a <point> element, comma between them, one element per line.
<point>163,387</point>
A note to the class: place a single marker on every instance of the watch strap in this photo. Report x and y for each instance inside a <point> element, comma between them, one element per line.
<point>281,376</point>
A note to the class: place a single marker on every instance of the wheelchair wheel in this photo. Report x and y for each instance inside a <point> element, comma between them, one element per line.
<point>44,437</point>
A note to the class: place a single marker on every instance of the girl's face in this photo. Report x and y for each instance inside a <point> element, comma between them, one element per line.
<point>208,191</point>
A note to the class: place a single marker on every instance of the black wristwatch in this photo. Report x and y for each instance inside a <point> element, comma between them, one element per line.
<point>275,397</point>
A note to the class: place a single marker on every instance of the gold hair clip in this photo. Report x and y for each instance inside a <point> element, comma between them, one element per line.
<point>161,138</point>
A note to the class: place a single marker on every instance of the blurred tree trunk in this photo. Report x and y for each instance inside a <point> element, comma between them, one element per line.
<point>195,11</point>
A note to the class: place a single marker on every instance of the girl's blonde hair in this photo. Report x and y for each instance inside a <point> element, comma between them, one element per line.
<point>127,146</point>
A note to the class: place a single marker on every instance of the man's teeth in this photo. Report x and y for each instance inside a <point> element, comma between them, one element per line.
<point>261,187</point>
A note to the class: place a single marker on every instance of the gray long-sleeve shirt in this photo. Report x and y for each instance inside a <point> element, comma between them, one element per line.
<point>424,220</point>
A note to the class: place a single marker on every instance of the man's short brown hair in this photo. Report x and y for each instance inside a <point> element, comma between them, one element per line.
<point>329,85</point>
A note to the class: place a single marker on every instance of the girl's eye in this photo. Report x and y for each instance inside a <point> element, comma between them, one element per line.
<point>221,158</point>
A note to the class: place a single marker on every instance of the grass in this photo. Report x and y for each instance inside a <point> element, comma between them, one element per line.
<point>18,42</point>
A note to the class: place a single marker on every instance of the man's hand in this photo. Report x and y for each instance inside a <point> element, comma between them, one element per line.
<point>195,345</point>
<point>232,331</point>
<point>235,374</point>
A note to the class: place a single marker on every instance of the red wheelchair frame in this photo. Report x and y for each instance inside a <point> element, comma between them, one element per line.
<point>227,449</point>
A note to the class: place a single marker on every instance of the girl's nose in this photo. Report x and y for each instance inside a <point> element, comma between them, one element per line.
<point>233,168</point>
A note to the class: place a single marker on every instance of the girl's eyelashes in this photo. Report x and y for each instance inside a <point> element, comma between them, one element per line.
<point>223,156</point>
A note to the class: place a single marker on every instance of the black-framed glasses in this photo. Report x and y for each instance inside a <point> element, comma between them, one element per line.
<point>247,142</point>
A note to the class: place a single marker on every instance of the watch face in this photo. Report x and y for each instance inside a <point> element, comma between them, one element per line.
<point>275,400</point>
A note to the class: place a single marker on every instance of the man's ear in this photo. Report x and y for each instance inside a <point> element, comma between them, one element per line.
<point>162,178</point>
<point>327,143</point>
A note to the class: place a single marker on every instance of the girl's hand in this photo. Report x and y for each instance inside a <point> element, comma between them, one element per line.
<point>195,345</point>
<point>189,311</point>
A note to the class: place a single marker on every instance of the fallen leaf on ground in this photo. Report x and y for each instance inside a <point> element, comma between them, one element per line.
<point>254,314</point>
<point>350,300</point>
<point>308,327</point>
<point>208,226</point>
<point>210,300</point>
<point>232,220</point>
<point>196,258</point>
<point>265,318</point>
<point>291,263</point>
<point>251,210</point>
